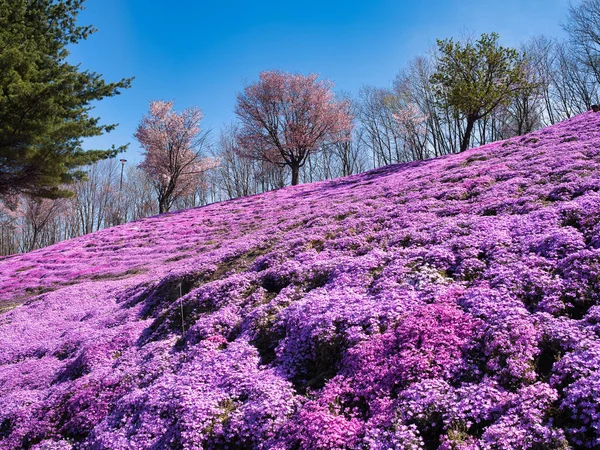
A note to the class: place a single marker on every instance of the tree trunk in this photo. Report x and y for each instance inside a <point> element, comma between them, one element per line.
<point>162,205</point>
<point>295,173</point>
<point>467,136</point>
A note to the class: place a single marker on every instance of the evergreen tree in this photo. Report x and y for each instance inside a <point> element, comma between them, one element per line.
<point>45,102</point>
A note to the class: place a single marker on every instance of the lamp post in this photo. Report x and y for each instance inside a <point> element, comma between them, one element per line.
<point>123,161</point>
<point>120,205</point>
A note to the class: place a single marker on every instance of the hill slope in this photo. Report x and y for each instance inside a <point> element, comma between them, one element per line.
<point>451,303</point>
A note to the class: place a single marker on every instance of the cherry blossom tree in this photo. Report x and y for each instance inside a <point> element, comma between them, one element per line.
<point>287,117</point>
<point>412,124</point>
<point>173,144</point>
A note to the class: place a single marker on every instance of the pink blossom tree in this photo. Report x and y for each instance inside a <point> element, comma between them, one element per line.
<point>412,125</point>
<point>172,144</point>
<point>286,117</point>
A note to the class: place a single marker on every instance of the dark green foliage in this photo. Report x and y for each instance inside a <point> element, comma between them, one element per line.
<point>476,77</point>
<point>45,102</point>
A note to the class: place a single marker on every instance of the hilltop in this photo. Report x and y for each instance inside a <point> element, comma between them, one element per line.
<point>449,303</point>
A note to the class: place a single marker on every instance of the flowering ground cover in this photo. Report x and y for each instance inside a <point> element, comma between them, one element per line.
<point>452,303</point>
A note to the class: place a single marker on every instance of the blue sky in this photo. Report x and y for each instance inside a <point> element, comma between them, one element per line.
<point>203,53</point>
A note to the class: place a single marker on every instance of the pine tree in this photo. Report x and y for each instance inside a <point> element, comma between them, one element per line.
<point>45,102</point>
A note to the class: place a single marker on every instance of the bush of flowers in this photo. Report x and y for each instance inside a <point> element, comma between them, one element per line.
<point>444,304</point>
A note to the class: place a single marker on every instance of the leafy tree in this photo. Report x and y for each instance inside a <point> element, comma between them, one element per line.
<point>45,102</point>
<point>172,144</point>
<point>287,117</point>
<point>475,78</point>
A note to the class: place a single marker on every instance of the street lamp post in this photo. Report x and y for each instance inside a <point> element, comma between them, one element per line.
<point>120,205</point>
<point>123,161</point>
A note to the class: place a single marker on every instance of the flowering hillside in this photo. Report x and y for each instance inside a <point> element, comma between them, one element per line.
<point>450,303</point>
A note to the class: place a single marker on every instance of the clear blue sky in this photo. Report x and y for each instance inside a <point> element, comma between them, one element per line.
<point>203,53</point>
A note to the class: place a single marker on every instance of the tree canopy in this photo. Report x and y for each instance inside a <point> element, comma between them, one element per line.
<point>286,117</point>
<point>46,102</point>
<point>476,77</point>
<point>173,145</point>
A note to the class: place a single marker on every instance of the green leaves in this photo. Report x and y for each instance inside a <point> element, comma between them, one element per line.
<point>475,78</point>
<point>45,102</point>
<point>478,76</point>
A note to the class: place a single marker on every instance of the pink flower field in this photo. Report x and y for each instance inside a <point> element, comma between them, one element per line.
<point>445,304</point>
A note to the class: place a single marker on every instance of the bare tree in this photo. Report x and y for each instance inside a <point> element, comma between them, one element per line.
<point>575,83</point>
<point>380,132</point>
<point>583,26</point>
<point>350,157</point>
<point>237,173</point>
<point>38,215</point>
<point>138,195</point>
<point>95,196</point>
<point>541,58</point>
<point>524,113</point>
